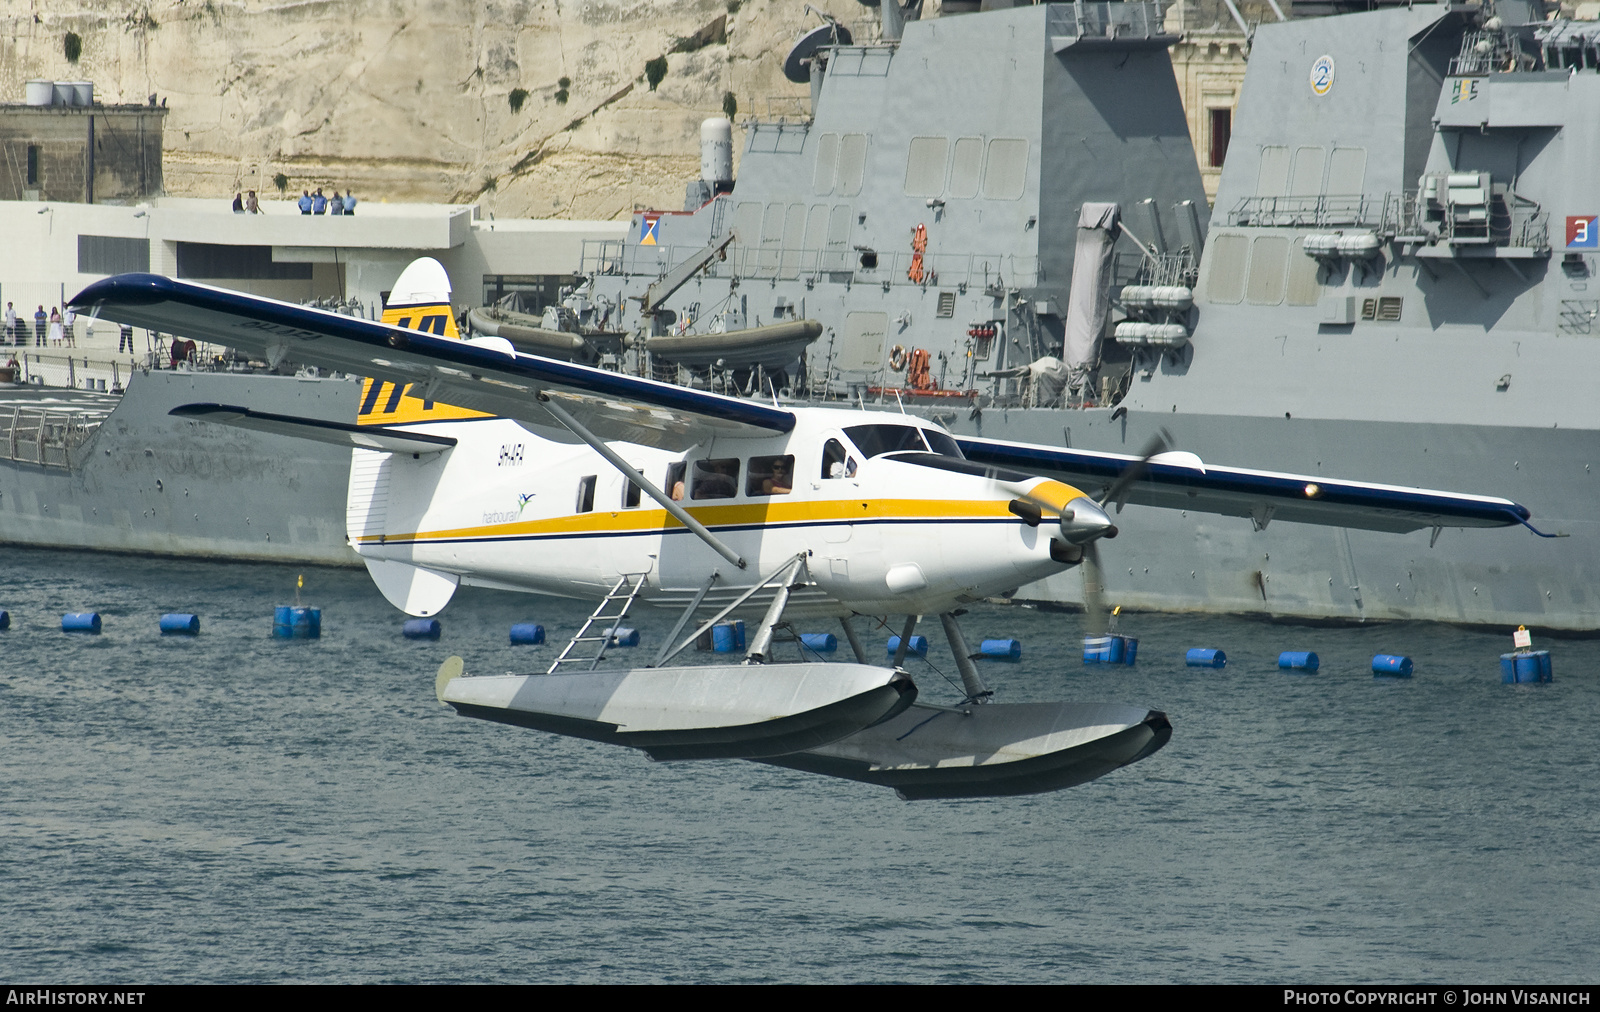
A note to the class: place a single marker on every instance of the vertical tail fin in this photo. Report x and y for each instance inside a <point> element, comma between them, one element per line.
<point>420,300</point>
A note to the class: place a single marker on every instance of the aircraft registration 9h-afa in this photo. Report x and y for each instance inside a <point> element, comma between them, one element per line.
<point>475,463</point>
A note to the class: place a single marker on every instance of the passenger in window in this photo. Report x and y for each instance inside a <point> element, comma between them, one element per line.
<point>770,476</point>
<point>675,481</point>
<point>716,479</point>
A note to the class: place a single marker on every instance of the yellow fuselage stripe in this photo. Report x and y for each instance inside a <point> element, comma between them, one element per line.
<point>635,521</point>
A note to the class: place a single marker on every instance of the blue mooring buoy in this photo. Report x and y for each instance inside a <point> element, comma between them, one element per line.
<point>1526,666</point>
<point>623,636</point>
<point>1301,661</point>
<point>728,637</point>
<point>1110,649</point>
<point>1205,657</point>
<point>918,646</point>
<point>421,629</point>
<point>292,622</point>
<point>5,620</point>
<point>1391,666</point>
<point>179,624</point>
<point>527,634</point>
<point>821,643</point>
<point>81,622</point>
<point>999,650</point>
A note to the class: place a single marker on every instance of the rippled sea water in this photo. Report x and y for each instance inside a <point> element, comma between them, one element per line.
<point>233,808</point>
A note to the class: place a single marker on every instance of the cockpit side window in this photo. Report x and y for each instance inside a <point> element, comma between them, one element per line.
<point>674,483</point>
<point>876,440</point>
<point>836,461</point>
<point>941,443</point>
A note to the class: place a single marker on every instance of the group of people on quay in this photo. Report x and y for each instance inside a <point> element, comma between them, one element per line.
<point>54,329</point>
<point>311,202</point>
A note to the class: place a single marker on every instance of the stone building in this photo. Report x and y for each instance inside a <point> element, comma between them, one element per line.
<point>84,154</point>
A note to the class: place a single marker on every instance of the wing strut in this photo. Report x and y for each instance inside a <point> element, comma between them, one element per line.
<point>682,515</point>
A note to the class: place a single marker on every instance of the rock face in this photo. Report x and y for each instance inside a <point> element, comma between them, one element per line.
<point>418,100</point>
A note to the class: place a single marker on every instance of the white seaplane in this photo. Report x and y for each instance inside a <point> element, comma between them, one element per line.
<point>475,463</point>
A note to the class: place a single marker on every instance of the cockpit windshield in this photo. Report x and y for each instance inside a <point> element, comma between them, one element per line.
<point>876,440</point>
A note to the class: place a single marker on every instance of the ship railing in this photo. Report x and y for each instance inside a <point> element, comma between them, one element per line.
<point>45,436</point>
<point>67,372</point>
<point>1513,222</point>
<point>1323,210</point>
<point>834,263</point>
<point>1489,51</point>
<point>1106,20</point>
<point>1132,267</point>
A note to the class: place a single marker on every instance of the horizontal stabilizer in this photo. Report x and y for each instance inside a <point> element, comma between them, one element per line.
<point>990,750</point>
<point>731,711</point>
<point>365,437</point>
<point>1181,481</point>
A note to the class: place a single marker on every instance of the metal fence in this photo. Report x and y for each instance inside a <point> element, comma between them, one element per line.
<point>45,436</point>
<point>833,263</point>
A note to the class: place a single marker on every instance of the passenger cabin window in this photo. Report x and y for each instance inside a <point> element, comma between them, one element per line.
<point>836,462</point>
<point>630,495</point>
<point>586,493</point>
<point>716,479</point>
<point>770,476</point>
<point>674,482</point>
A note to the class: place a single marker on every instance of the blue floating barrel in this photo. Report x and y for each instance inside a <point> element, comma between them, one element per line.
<point>821,643</point>
<point>421,629</point>
<point>1298,660</point>
<point>727,637</point>
<point>527,634</point>
<point>1000,650</point>
<point>292,622</point>
<point>1391,666</point>
<point>1205,657</point>
<point>81,622</point>
<point>5,619</point>
<point>623,636</point>
<point>1103,649</point>
<point>918,647</point>
<point>180,624</point>
<point>1527,666</point>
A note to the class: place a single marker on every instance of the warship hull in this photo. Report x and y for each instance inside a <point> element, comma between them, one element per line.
<point>139,480</point>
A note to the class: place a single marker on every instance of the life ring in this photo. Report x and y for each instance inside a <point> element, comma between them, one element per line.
<point>897,358</point>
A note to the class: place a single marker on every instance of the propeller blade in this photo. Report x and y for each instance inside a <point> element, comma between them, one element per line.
<point>1095,622</point>
<point>1117,492</point>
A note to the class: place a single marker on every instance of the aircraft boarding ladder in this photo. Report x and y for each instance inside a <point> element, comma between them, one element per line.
<point>626,591</point>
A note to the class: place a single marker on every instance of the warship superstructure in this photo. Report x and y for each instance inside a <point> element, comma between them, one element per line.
<point>997,220</point>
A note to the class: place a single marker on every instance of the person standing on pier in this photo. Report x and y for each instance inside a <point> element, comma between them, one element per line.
<point>40,323</point>
<point>125,338</point>
<point>12,335</point>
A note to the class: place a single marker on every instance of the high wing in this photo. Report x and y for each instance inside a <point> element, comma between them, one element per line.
<point>1182,481</point>
<point>492,379</point>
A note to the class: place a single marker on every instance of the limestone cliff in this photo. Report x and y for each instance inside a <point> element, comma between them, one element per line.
<point>417,99</point>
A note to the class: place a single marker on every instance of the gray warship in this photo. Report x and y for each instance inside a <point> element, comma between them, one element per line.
<point>998,221</point>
